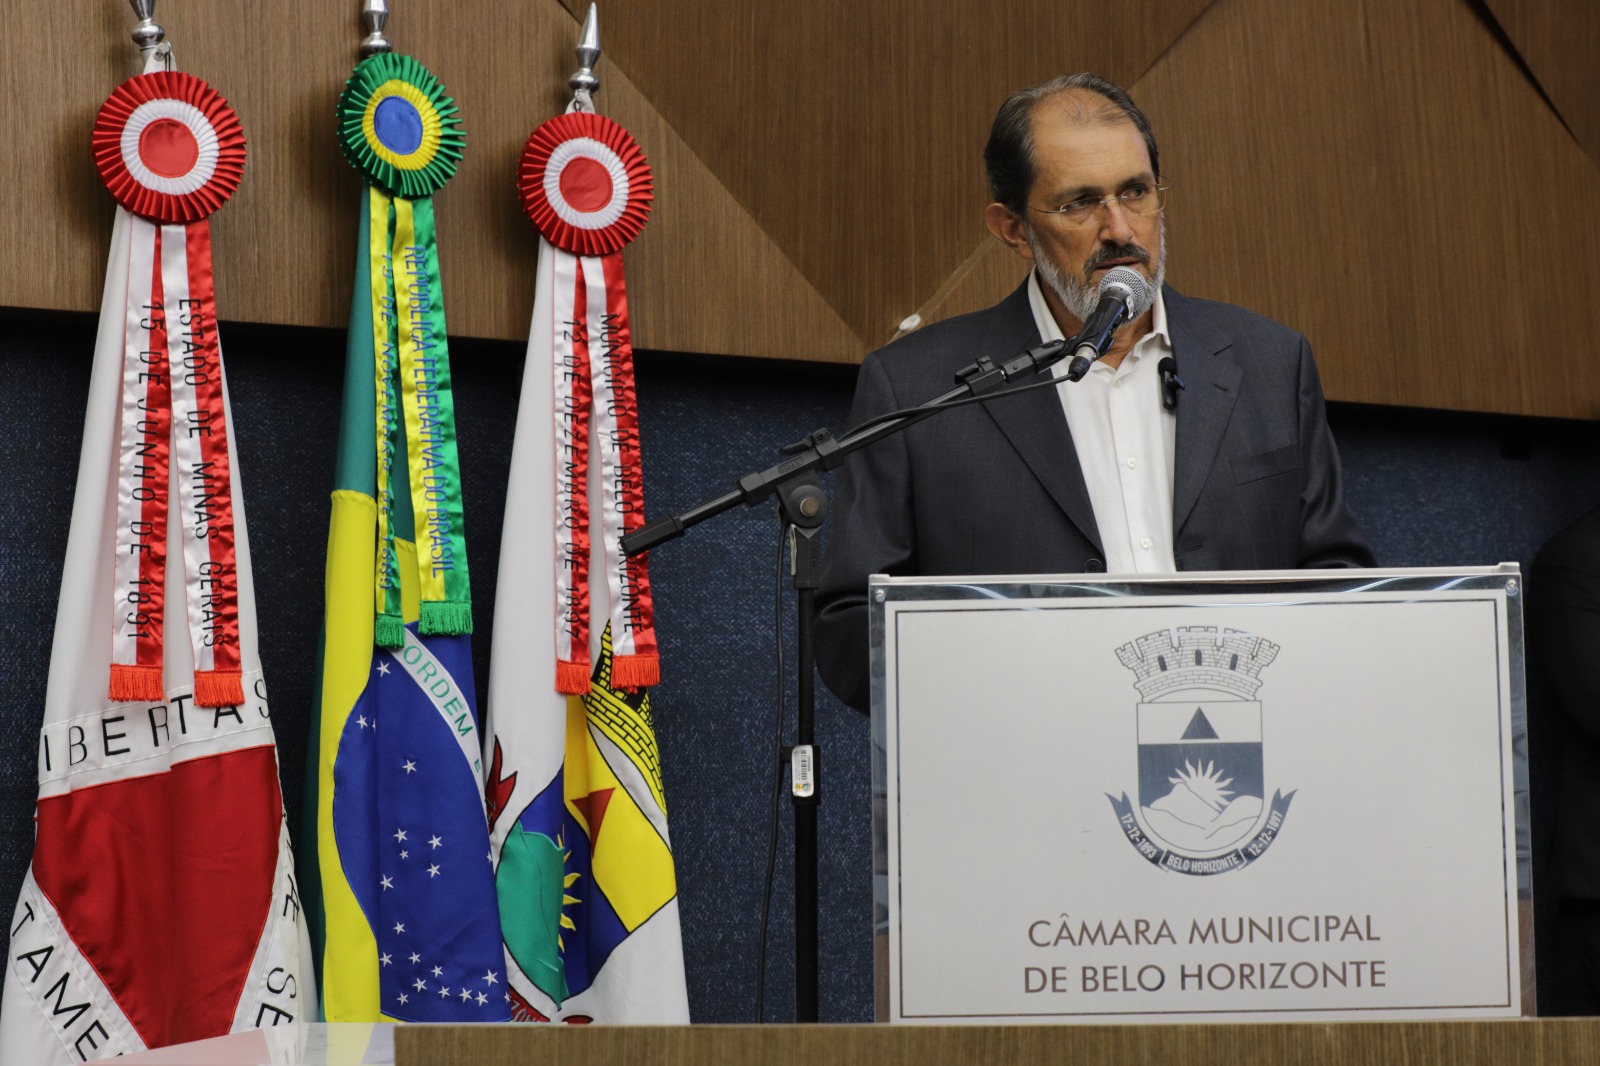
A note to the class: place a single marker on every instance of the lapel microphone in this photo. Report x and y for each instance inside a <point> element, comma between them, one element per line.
<point>1170,383</point>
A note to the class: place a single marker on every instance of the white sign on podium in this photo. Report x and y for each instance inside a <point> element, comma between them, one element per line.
<point>1248,796</point>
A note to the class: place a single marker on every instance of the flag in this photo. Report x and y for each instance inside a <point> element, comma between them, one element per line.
<point>160,906</point>
<point>588,893</point>
<point>405,916</point>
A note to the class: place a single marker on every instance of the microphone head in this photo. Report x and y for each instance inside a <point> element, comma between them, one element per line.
<point>1129,286</point>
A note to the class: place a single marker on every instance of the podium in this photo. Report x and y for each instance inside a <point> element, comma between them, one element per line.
<point>1236,797</point>
<point>1187,815</point>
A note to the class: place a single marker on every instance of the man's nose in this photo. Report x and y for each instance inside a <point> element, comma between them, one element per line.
<point>1116,223</point>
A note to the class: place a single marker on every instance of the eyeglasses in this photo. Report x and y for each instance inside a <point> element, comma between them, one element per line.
<point>1138,198</point>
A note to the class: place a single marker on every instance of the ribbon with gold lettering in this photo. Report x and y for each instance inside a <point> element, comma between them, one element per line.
<point>587,187</point>
<point>399,129</point>
<point>172,151</point>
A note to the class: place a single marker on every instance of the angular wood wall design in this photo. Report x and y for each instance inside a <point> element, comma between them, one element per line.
<point>1409,182</point>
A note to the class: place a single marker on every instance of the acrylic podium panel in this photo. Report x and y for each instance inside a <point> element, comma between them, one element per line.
<point>1285,796</point>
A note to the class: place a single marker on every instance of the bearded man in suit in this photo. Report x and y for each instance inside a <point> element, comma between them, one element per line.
<point>1104,475</point>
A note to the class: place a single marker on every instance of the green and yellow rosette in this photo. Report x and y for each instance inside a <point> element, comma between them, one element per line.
<point>400,130</point>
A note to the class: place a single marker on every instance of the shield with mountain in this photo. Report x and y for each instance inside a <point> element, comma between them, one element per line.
<point>1202,797</point>
<point>1201,790</point>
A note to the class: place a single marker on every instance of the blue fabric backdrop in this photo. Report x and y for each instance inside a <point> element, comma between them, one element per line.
<point>1431,489</point>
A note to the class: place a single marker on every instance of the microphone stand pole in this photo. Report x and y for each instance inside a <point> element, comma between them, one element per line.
<point>803,507</point>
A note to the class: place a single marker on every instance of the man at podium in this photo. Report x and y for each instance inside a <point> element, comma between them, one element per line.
<point>1198,441</point>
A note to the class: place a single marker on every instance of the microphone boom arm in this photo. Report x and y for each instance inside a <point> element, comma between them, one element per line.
<point>820,450</point>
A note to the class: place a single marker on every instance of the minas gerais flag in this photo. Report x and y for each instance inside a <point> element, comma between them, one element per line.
<point>403,903</point>
<point>160,906</point>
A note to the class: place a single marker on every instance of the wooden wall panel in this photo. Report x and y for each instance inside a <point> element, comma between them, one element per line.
<point>1508,213</point>
<point>1377,173</point>
<point>1382,177</point>
<point>1268,139</point>
<point>1385,178</point>
<point>703,276</point>
<point>1560,40</point>
<point>55,218</point>
<point>853,132</point>
<point>991,270</point>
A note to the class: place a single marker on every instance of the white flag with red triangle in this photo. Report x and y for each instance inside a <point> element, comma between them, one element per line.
<point>160,906</point>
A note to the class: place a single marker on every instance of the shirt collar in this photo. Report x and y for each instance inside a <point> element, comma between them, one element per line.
<point>1049,330</point>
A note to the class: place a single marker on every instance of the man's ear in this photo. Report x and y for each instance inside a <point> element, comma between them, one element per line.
<point>1009,229</point>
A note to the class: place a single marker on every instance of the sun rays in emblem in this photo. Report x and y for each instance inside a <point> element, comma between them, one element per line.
<point>567,881</point>
<point>1208,784</point>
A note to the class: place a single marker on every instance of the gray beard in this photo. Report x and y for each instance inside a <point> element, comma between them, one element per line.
<point>1074,292</point>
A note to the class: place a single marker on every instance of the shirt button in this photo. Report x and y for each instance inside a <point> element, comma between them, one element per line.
<point>1117,384</point>
<point>1132,462</point>
<point>1145,543</point>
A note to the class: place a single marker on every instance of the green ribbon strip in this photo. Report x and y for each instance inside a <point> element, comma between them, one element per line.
<point>434,467</point>
<point>389,626</point>
<point>415,417</point>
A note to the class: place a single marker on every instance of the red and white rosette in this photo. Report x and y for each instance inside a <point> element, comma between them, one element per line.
<point>172,151</point>
<point>169,147</point>
<point>587,187</point>
<point>585,184</point>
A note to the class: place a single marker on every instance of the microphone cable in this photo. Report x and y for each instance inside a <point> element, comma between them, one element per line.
<point>963,401</point>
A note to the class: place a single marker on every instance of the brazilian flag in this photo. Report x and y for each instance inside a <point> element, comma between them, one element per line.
<point>396,877</point>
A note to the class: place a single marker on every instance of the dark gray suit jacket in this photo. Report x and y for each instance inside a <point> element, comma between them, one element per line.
<point>995,487</point>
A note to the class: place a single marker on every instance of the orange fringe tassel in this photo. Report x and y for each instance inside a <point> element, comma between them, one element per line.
<point>635,671</point>
<point>218,688</point>
<point>572,678</point>
<point>136,684</point>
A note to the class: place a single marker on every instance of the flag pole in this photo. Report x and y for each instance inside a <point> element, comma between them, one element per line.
<point>149,34</point>
<point>374,16</point>
<point>584,82</point>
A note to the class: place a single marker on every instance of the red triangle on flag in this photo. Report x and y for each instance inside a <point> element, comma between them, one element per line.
<point>164,882</point>
<point>593,808</point>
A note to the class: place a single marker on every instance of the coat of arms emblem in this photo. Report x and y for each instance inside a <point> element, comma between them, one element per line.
<point>1202,805</point>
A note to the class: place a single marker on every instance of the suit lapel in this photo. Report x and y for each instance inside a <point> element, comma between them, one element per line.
<point>1211,386</point>
<point>1034,422</point>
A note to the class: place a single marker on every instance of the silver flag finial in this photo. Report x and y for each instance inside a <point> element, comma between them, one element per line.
<point>148,35</point>
<point>584,83</point>
<point>374,16</point>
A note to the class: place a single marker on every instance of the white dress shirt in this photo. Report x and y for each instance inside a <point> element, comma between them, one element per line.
<point>1125,441</point>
